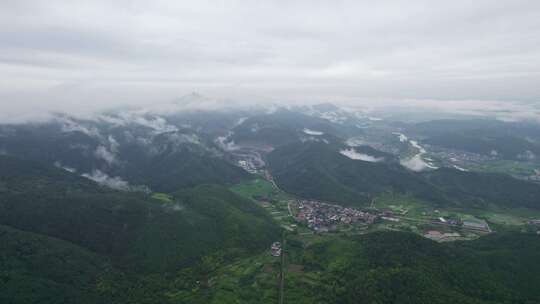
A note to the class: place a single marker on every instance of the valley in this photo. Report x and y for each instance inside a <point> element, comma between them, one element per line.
<point>387,212</point>
<point>295,204</point>
<point>269,152</point>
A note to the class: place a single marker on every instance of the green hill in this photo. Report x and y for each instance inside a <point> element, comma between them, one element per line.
<point>487,143</point>
<point>386,267</point>
<point>480,189</point>
<point>319,171</point>
<point>281,128</point>
<point>39,269</point>
<point>396,267</point>
<point>64,239</point>
<point>174,169</point>
<point>132,228</point>
<point>164,161</point>
<point>507,140</point>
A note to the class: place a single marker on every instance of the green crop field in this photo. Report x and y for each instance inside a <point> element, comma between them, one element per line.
<point>405,205</point>
<point>410,207</point>
<point>259,187</point>
<point>415,215</point>
<point>519,168</point>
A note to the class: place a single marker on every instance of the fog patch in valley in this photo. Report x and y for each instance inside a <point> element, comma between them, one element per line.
<point>113,182</point>
<point>312,132</point>
<point>103,153</point>
<point>417,162</point>
<point>352,154</point>
<point>69,169</point>
<point>225,143</point>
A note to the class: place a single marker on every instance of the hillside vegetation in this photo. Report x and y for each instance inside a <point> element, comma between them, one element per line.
<point>39,269</point>
<point>319,171</point>
<point>386,267</point>
<point>506,140</point>
<point>392,267</point>
<point>131,228</point>
<point>163,161</point>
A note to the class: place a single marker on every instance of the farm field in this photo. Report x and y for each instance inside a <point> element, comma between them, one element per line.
<point>517,168</point>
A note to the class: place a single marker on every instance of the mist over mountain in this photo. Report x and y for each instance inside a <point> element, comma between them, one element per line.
<point>261,152</point>
<point>183,199</point>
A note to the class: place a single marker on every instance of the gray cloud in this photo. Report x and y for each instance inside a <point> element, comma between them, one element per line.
<point>108,156</point>
<point>83,56</point>
<point>111,182</point>
<point>115,182</point>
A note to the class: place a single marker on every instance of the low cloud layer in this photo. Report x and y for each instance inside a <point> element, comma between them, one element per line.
<point>106,180</point>
<point>82,56</point>
<point>416,163</point>
<point>104,154</point>
<point>352,154</point>
<point>114,182</point>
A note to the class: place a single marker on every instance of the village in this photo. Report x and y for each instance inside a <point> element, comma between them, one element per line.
<point>322,217</point>
<point>308,217</point>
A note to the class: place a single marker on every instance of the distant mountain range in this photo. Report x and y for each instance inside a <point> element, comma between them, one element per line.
<point>134,206</point>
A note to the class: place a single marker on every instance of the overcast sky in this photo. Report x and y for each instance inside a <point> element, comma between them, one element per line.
<point>79,55</point>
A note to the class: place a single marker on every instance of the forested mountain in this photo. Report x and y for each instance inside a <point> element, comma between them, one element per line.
<point>481,189</point>
<point>318,170</point>
<point>284,127</point>
<point>131,228</point>
<point>438,127</point>
<point>487,143</point>
<point>386,267</point>
<point>404,268</point>
<point>514,141</point>
<point>39,269</point>
<point>347,152</point>
<point>138,207</point>
<point>124,151</point>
